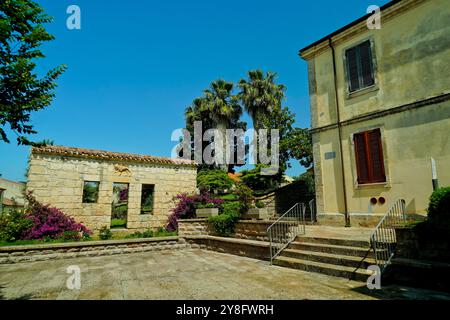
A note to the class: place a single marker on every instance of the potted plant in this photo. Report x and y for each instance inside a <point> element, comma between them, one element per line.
<point>206,210</point>
<point>258,211</point>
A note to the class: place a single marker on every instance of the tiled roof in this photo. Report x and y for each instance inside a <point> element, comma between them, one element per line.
<point>107,155</point>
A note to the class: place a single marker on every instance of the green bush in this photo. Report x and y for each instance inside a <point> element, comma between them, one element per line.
<point>223,224</point>
<point>256,181</point>
<point>439,208</point>
<point>259,204</point>
<point>118,223</point>
<point>105,233</point>
<point>230,207</point>
<point>214,180</point>
<point>206,206</point>
<point>245,196</point>
<point>13,224</point>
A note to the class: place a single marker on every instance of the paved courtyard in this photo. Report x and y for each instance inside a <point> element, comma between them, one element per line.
<point>184,274</point>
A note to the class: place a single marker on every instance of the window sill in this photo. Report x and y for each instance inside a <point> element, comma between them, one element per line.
<point>361,92</point>
<point>375,184</point>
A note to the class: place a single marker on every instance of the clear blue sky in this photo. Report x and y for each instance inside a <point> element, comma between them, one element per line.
<point>135,65</point>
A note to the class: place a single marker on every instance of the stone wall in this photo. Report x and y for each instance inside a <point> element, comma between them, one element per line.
<point>30,253</point>
<point>244,229</point>
<point>411,245</point>
<point>59,180</point>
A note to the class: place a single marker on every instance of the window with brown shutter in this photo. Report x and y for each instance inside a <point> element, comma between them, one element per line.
<point>369,157</point>
<point>359,64</point>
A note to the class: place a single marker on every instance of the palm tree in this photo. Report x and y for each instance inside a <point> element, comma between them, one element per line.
<point>223,109</point>
<point>260,95</point>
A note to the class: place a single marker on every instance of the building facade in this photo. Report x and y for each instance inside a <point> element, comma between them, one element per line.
<point>101,188</point>
<point>380,111</point>
<point>11,194</point>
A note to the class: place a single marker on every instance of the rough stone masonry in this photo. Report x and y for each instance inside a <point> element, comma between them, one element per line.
<point>57,176</point>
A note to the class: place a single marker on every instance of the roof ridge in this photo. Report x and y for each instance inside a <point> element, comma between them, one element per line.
<point>104,154</point>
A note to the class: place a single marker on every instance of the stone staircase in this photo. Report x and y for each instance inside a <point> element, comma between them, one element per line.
<point>348,258</point>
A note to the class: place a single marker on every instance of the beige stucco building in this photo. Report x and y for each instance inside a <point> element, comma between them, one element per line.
<point>83,184</point>
<point>380,110</point>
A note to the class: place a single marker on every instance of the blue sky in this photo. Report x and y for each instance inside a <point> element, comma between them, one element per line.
<point>135,65</point>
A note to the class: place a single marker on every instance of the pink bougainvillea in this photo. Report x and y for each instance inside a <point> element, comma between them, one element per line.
<point>51,223</point>
<point>185,207</point>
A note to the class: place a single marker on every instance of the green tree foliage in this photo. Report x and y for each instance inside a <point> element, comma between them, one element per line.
<point>299,144</point>
<point>439,208</point>
<point>260,95</point>
<point>218,109</point>
<point>256,181</point>
<point>214,180</point>
<point>21,90</point>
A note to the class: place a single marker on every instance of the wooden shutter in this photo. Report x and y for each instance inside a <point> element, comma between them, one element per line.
<point>369,157</point>
<point>352,69</point>
<point>366,64</point>
<point>376,156</point>
<point>361,158</point>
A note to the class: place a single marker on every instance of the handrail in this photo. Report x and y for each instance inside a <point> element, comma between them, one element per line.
<point>286,228</point>
<point>383,240</point>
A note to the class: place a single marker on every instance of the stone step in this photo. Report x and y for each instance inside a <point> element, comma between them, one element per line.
<point>324,268</point>
<point>331,248</point>
<point>335,241</point>
<point>331,258</point>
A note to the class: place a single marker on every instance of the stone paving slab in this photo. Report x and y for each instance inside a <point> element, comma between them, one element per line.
<point>187,274</point>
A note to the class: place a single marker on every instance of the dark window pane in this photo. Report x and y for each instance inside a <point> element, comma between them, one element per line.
<point>360,66</point>
<point>352,68</point>
<point>90,191</point>
<point>147,198</point>
<point>366,64</point>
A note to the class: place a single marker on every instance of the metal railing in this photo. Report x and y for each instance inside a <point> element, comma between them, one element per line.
<point>286,228</point>
<point>383,240</point>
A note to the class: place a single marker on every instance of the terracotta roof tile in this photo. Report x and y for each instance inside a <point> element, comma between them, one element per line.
<point>108,155</point>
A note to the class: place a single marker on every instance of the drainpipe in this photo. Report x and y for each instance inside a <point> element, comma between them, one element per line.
<point>346,215</point>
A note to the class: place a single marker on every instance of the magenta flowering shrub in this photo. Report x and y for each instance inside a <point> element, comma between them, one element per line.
<point>185,207</point>
<point>51,223</point>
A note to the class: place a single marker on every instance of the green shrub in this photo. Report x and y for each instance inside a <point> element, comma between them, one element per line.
<point>105,233</point>
<point>214,180</point>
<point>259,204</point>
<point>245,196</point>
<point>439,208</point>
<point>231,207</point>
<point>257,181</point>
<point>224,224</point>
<point>206,205</point>
<point>118,223</point>
<point>13,224</point>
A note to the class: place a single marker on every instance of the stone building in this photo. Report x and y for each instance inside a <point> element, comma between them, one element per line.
<point>380,110</point>
<point>101,188</point>
<point>11,194</point>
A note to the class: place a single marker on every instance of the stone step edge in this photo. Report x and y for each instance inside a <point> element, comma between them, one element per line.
<point>327,240</point>
<point>331,246</point>
<point>359,271</point>
<point>329,255</point>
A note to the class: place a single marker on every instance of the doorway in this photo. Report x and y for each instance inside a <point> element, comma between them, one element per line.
<point>119,208</point>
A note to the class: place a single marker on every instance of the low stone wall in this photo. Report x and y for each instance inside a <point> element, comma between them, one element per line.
<point>410,245</point>
<point>244,229</point>
<point>42,252</point>
<point>241,247</point>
